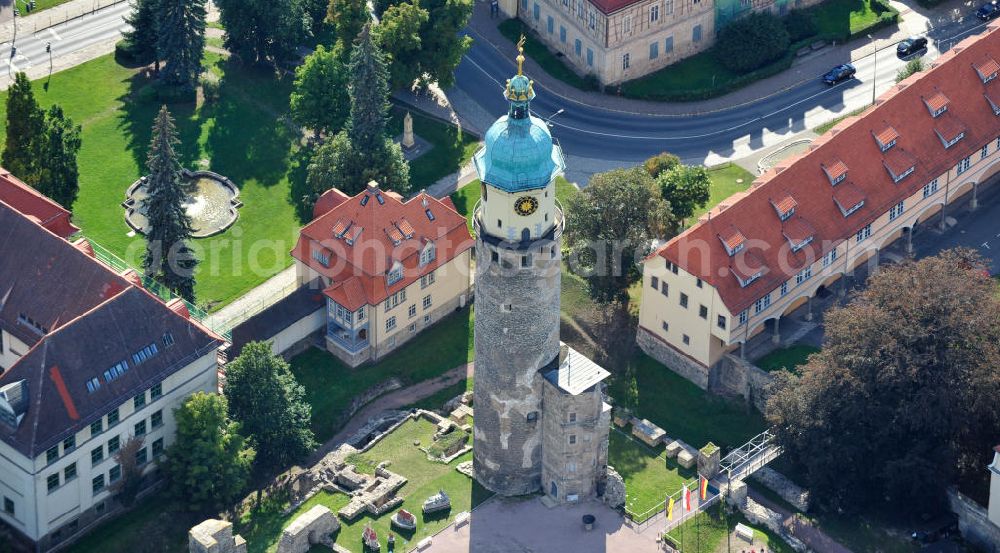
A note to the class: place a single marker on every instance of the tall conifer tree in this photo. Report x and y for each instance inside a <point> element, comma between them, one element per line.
<point>142,37</point>
<point>25,127</point>
<point>181,40</point>
<point>369,71</point>
<point>58,176</point>
<point>167,254</point>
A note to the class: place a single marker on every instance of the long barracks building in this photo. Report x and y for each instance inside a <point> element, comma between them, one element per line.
<point>930,141</point>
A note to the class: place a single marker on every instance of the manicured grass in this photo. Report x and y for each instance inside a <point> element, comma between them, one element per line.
<point>424,478</point>
<point>154,525</point>
<point>822,129</point>
<point>700,72</point>
<point>790,358</point>
<point>331,385</point>
<point>649,476</point>
<point>452,149</point>
<point>724,185</point>
<point>241,135</point>
<point>512,29</point>
<point>845,17</point>
<point>40,5</point>
<point>706,533</point>
<point>686,411</point>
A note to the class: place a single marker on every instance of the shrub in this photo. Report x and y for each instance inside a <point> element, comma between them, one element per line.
<point>660,163</point>
<point>209,86</point>
<point>800,25</point>
<point>752,42</point>
<point>913,66</point>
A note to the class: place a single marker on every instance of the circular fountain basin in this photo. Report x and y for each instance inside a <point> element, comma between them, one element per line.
<point>212,202</point>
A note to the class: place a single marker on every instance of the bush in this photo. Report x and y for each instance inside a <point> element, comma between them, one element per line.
<point>913,66</point>
<point>752,42</point>
<point>661,163</point>
<point>800,25</point>
<point>209,87</point>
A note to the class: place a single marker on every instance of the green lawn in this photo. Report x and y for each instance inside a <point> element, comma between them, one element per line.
<point>790,358</point>
<point>692,76</point>
<point>648,475</point>
<point>686,411</point>
<point>330,385</point>
<point>724,185</point>
<point>822,129</point>
<point>706,533</point>
<point>424,478</point>
<point>244,136</point>
<point>512,29</point>
<point>40,5</point>
<point>844,18</point>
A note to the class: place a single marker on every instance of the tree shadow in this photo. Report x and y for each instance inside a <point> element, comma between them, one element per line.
<point>139,106</point>
<point>297,173</point>
<point>250,136</point>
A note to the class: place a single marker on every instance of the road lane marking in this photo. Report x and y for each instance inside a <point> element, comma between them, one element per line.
<point>54,34</point>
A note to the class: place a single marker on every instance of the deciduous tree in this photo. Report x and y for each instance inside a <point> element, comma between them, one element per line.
<point>263,31</point>
<point>348,17</point>
<point>661,162</point>
<point>209,463</point>
<point>130,483</point>
<point>442,41</point>
<point>168,257</point>
<point>901,400</point>
<point>319,97</point>
<point>399,36</point>
<point>686,188</point>
<point>181,41</point>
<point>613,222</point>
<point>270,405</point>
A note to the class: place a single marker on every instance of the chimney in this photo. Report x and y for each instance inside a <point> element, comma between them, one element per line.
<point>372,186</point>
<point>423,198</point>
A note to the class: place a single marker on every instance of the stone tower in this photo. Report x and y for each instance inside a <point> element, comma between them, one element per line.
<point>518,228</point>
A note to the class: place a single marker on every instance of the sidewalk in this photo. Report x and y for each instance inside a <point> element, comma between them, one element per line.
<point>913,20</point>
<point>28,24</point>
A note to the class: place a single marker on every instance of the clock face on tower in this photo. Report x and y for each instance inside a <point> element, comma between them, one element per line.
<point>525,205</point>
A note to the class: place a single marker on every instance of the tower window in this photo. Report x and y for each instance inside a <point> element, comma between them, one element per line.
<point>572,439</point>
<point>532,416</point>
<point>499,223</point>
<point>494,257</point>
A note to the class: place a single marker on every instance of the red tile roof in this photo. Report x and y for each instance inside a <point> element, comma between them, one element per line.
<point>382,230</point>
<point>797,230</point>
<point>886,136</point>
<point>699,251</point>
<point>611,6</point>
<point>936,101</point>
<point>948,126</point>
<point>987,67</point>
<point>32,203</point>
<point>328,200</point>
<point>732,237</point>
<point>834,169</point>
<point>847,196</point>
<point>784,203</point>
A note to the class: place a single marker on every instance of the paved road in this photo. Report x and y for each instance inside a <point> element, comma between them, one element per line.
<point>66,39</point>
<point>603,133</point>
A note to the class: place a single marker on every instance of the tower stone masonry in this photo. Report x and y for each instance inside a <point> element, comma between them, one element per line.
<point>540,419</point>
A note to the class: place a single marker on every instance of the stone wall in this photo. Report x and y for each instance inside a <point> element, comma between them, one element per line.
<point>215,536</point>
<point>738,377</point>
<point>781,485</point>
<point>308,529</point>
<point>974,523</point>
<point>673,359</point>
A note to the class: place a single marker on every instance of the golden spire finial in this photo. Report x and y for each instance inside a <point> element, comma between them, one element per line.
<point>520,55</point>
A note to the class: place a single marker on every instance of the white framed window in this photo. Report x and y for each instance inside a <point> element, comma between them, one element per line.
<point>627,24</point>
<point>864,233</point>
<point>762,303</point>
<point>427,301</point>
<point>626,59</point>
<point>593,21</point>
<point>744,315</point>
<point>784,288</point>
<point>428,254</point>
<point>964,165</point>
<point>668,7</point>
<point>984,152</point>
<point>829,258</point>
<point>412,311</point>
<point>804,275</point>
<point>390,323</point>
<point>654,14</point>
<point>930,188</point>
<point>896,211</point>
<point>426,280</point>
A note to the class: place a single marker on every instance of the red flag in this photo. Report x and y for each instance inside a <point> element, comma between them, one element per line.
<point>687,499</point>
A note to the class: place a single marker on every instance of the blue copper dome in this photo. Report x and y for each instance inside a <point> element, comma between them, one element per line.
<point>519,153</point>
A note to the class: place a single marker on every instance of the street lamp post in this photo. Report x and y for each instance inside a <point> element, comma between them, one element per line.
<point>874,66</point>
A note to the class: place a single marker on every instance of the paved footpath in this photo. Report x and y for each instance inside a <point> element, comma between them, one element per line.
<point>945,20</point>
<point>813,537</point>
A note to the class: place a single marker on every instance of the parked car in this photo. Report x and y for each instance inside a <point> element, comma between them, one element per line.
<point>988,11</point>
<point>839,73</point>
<point>910,45</point>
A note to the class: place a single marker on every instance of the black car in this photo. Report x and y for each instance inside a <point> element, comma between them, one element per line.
<point>910,45</point>
<point>839,73</point>
<point>988,11</point>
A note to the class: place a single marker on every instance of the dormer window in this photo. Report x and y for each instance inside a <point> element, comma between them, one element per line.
<point>352,237</point>
<point>340,228</point>
<point>395,235</point>
<point>395,274</point>
<point>733,240</point>
<point>994,101</point>
<point>886,138</point>
<point>798,232</point>
<point>987,70</point>
<point>849,198</point>
<point>748,268</point>
<point>321,257</point>
<point>899,163</point>
<point>784,206</point>
<point>937,104</point>
<point>406,228</point>
<point>836,171</point>
<point>428,254</point>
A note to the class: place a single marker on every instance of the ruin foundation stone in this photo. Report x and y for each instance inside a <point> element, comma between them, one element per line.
<point>215,536</point>
<point>614,491</point>
<point>311,528</point>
